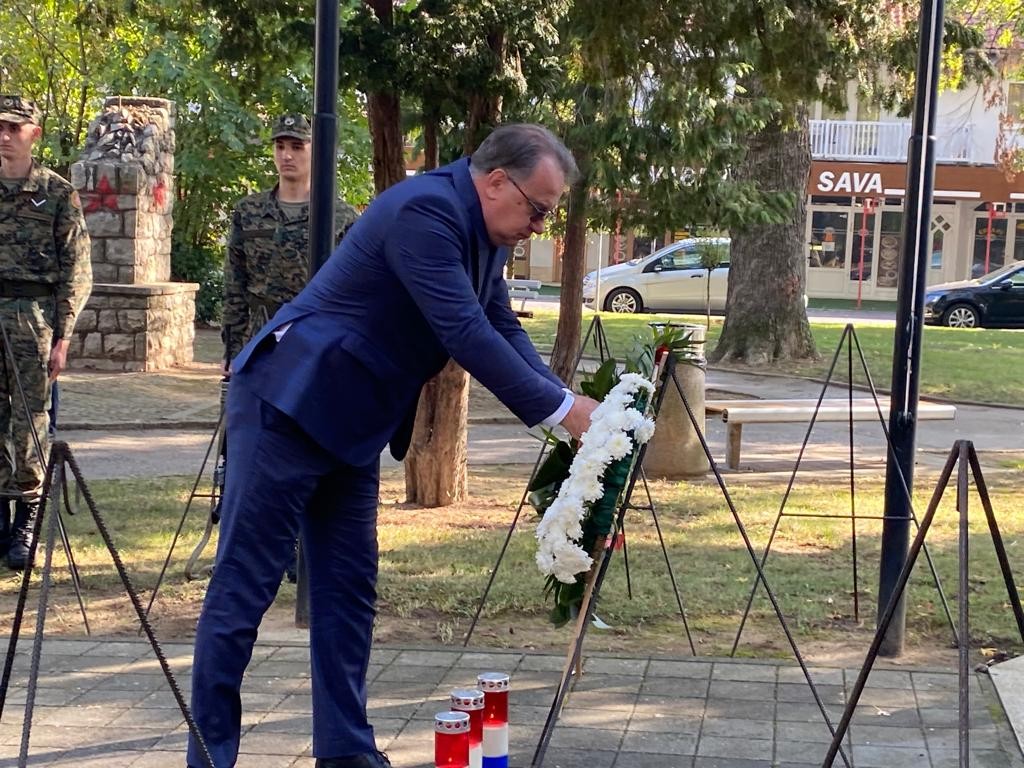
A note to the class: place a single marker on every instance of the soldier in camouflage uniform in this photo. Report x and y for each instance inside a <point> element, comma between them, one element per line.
<point>45,279</point>
<point>268,249</point>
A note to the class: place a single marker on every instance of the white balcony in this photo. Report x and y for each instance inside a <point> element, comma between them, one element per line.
<point>881,142</point>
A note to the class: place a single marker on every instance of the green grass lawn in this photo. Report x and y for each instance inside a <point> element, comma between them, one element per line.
<point>435,564</point>
<point>973,365</point>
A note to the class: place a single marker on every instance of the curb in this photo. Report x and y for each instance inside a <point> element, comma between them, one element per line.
<point>863,388</point>
<point>134,426</point>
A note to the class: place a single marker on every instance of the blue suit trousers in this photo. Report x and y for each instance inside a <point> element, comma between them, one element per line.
<point>279,481</point>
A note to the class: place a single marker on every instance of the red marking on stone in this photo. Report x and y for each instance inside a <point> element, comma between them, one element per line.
<point>104,197</point>
<point>159,194</point>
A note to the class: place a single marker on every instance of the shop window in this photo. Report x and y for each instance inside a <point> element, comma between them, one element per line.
<point>1018,240</point>
<point>889,249</point>
<point>989,245</point>
<point>829,230</point>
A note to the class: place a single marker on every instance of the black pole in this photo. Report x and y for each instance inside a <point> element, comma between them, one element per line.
<point>321,193</point>
<point>906,363</point>
<point>325,135</point>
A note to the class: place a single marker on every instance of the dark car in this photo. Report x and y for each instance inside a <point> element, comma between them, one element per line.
<point>995,300</point>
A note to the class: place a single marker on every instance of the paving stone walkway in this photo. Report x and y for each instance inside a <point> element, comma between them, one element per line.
<point>105,703</point>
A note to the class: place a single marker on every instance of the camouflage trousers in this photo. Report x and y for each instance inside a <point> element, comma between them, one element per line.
<point>28,328</point>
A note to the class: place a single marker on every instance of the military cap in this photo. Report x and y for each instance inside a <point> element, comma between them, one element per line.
<point>17,109</point>
<point>293,125</point>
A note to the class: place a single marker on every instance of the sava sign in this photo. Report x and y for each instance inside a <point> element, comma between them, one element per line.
<point>850,182</point>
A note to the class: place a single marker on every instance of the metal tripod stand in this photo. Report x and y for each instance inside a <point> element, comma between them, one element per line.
<point>218,440</point>
<point>849,339</point>
<point>964,459</point>
<point>55,489</point>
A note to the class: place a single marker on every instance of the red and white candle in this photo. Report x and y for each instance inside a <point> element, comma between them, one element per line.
<point>471,701</point>
<point>495,686</point>
<point>451,740</point>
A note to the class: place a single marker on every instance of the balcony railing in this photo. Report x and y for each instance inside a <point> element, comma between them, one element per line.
<point>881,142</point>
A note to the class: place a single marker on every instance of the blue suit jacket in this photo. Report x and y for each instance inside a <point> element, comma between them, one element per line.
<point>414,282</point>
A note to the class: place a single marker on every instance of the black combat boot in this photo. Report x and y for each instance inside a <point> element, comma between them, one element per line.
<point>5,526</point>
<point>21,533</point>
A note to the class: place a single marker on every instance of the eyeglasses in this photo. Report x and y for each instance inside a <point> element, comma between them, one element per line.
<point>540,212</point>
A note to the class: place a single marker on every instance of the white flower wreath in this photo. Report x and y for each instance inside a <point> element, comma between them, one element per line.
<point>616,427</point>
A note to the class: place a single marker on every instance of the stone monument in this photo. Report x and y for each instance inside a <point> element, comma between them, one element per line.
<point>135,319</point>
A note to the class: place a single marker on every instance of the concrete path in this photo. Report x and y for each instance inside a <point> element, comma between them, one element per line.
<point>998,434</point>
<point>105,703</point>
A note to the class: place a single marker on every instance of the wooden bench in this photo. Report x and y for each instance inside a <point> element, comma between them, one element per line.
<point>736,413</point>
<point>520,290</point>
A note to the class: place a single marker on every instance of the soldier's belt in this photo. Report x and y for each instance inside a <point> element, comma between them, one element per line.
<point>24,289</point>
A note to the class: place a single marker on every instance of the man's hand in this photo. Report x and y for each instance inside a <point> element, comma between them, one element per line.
<point>577,420</point>
<point>58,358</point>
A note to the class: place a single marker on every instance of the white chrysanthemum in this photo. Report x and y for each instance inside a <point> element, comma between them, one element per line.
<point>644,431</point>
<point>608,439</point>
<point>619,445</point>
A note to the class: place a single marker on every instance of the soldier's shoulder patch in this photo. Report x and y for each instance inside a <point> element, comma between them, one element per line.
<point>76,201</point>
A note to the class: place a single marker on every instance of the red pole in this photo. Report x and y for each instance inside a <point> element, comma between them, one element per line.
<point>868,207</point>
<point>988,236</point>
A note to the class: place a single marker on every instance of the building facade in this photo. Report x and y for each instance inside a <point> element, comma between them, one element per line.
<point>856,194</point>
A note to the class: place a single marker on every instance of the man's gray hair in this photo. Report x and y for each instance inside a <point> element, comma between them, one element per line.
<point>518,147</point>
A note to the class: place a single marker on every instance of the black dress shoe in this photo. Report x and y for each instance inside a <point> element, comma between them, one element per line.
<point>375,760</point>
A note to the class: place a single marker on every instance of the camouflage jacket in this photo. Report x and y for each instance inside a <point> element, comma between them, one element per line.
<point>43,240</point>
<point>267,263</point>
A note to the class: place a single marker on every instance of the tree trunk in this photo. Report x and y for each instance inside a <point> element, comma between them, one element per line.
<point>384,114</point>
<point>484,107</point>
<point>436,468</point>
<point>765,317</point>
<point>431,154</point>
<point>385,118</point>
<point>570,313</point>
<point>436,473</point>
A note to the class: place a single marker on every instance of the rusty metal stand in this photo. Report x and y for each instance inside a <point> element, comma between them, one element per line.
<point>219,440</point>
<point>962,456</point>
<point>849,339</point>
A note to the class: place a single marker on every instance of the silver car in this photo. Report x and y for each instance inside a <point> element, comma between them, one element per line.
<point>670,279</point>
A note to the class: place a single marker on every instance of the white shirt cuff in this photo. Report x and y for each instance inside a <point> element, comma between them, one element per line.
<point>556,418</point>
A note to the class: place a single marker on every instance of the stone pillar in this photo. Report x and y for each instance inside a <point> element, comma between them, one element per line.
<point>135,319</point>
<point>675,450</point>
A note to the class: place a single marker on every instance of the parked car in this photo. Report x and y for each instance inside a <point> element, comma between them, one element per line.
<point>995,300</point>
<point>670,279</point>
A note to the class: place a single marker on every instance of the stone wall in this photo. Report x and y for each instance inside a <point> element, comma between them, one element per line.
<point>130,231</point>
<point>135,319</point>
<point>136,328</point>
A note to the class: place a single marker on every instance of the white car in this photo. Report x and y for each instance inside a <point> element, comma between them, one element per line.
<point>670,279</point>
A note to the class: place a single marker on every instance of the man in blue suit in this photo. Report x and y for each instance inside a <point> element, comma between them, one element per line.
<point>332,379</point>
